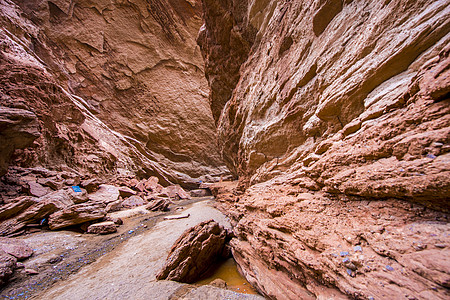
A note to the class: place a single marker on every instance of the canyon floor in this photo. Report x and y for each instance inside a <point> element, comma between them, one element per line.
<point>118,266</point>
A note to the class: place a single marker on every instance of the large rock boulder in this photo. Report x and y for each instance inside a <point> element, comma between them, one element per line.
<point>76,214</point>
<point>194,252</point>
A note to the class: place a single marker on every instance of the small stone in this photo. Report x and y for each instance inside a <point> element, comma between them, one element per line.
<point>357,248</point>
<point>440,245</point>
<point>432,156</point>
<point>345,260</point>
<point>389,268</point>
<point>344,253</point>
<point>220,283</point>
<point>31,272</point>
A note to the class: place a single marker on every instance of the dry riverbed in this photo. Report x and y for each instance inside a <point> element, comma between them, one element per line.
<point>118,266</point>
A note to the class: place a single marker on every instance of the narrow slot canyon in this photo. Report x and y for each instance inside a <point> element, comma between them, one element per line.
<point>228,149</point>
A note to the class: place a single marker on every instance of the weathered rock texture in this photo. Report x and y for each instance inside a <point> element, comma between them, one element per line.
<point>194,252</point>
<point>335,116</point>
<point>137,67</point>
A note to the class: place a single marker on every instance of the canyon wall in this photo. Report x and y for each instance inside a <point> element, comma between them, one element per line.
<point>137,73</point>
<point>335,116</point>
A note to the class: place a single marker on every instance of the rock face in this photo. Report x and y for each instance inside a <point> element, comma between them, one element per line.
<point>335,116</point>
<point>139,72</point>
<point>194,252</point>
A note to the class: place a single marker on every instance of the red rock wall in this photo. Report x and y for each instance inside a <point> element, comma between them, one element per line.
<point>333,113</point>
<point>139,70</point>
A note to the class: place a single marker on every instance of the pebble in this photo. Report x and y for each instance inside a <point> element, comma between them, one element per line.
<point>345,260</point>
<point>439,245</point>
<point>31,271</point>
<point>432,156</point>
<point>357,248</point>
<point>344,253</point>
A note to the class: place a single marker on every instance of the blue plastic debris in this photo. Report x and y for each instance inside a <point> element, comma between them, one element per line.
<point>389,268</point>
<point>432,156</point>
<point>357,248</point>
<point>345,260</point>
<point>344,253</point>
<point>349,272</point>
<point>76,189</point>
<point>130,232</point>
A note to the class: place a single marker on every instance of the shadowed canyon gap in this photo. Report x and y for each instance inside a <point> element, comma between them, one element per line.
<point>333,114</point>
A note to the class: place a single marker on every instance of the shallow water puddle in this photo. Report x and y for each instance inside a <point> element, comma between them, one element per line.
<point>227,271</point>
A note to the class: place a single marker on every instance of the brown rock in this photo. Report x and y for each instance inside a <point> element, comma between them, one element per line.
<point>126,192</point>
<point>7,266</point>
<point>194,252</point>
<point>18,129</point>
<point>125,69</point>
<point>158,204</point>
<point>16,248</point>
<point>200,193</point>
<point>176,192</point>
<point>76,214</point>
<point>105,194</point>
<point>52,183</point>
<point>102,228</point>
<point>133,201</point>
<point>114,206</point>
<point>31,271</point>
<point>91,185</point>
<point>37,190</point>
<point>220,283</point>
<point>28,210</point>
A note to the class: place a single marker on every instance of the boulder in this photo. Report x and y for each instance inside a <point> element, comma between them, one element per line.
<point>37,190</point>
<point>76,214</point>
<point>200,193</point>
<point>125,192</point>
<point>16,248</point>
<point>29,210</point>
<point>159,204</point>
<point>175,192</point>
<point>105,194</point>
<point>102,228</point>
<point>91,185</point>
<point>7,266</point>
<point>114,206</point>
<point>52,183</point>
<point>194,252</point>
<point>133,201</point>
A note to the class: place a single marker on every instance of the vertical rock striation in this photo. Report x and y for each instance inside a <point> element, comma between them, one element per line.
<point>335,116</point>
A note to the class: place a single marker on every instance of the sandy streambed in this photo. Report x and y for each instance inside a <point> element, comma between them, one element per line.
<point>121,266</point>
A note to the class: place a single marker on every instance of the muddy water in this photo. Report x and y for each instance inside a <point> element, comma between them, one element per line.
<point>228,272</point>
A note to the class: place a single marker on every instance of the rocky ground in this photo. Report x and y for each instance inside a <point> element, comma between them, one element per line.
<point>71,265</point>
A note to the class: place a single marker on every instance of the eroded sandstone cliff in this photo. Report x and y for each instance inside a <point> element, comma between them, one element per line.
<point>335,116</point>
<point>139,73</point>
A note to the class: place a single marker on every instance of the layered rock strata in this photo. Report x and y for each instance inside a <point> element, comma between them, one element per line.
<point>335,116</point>
<point>139,74</point>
